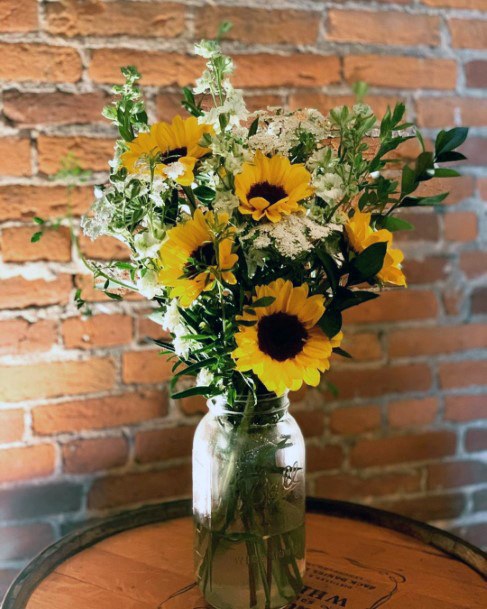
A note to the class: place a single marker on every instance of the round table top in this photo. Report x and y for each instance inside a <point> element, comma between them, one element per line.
<point>357,557</point>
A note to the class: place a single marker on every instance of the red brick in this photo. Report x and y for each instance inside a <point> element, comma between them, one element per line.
<point>429,507</point>
<point>466,4</point>
<point>348,486</point>
<point>18,293</point>
<point>18,202</point>
<point>427,270</point>
<point>459,189</point>
<point>408,413</point>
<point>194,404</point>
<point>24,541</point>
<point>355,419</point>
<point>362,347</point>
<point>479,301</point>
<point>468,33</point>
<point>461,226</point>
<point>56,108</point>
<point>90,153</point>
<point>256,101</point>
<point>474,533</point>
<point>54,245</point>
<point>157,68</point>
<point>114,491</point>
<point>482,184</point>
<point>298,395</point>
<point>426,227</point>
<point>168,105</point>
<point>455,473</point>
<point>437,340</point>
<point>18,336</point>
<point>94,293</point>
<point>311,422</point>
<point>96,331</point>
<point>15,156</point>
<point>452,298</point>
<point>473,263</point>
<point>32,501</point>
<point>164,444</point>
<point>39,62</point>
<point>259,26</point>
<point>395,305</point>
<point>463,374</point>
<point>91,455</point>
<point>376,27</point>
<point>460,408</point>
<point>319,458</point>
<point>34,381</point>
<point>476,73</point>
<point>445,112</point>
<point>26,462</point>
<point>299,70</point>
<point>11,425</point>
<point>378,382</point>
<point>104,248</point>
<point>401,72</point>
<point>18,17</point>
<point>476,439</point>
<point>145,19</point>
<point>146,367</point>
<point>404,449</point>
<point>475,149</point>
<point>148,329</point>
<point>99,413</point>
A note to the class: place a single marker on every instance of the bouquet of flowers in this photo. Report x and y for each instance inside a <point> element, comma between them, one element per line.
<point>253,232</point>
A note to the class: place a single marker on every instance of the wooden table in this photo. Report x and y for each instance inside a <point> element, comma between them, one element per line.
<point>358,558</point>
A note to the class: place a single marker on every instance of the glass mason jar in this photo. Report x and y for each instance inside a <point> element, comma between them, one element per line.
<point>249,504</point>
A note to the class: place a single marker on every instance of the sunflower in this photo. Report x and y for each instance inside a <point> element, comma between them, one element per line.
<point>271,187</point>
<point>193,259</point>
<point>172,149</point>
<point>284,347</point>
<point>360,236</point>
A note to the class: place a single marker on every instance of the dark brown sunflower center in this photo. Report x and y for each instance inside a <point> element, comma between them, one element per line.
<point>202,257</point>
<point>270,192</point>
<point>281,336</point>
<point>173,155</point>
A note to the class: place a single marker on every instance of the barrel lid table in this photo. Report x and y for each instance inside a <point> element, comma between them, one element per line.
<point>357,557</point>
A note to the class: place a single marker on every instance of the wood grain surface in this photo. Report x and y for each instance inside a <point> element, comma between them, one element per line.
<point>351,564</point>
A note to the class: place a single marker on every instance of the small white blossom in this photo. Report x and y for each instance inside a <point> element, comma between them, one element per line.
<point>146,244</point>
<point>207,49</point>
<point>329,186</point>
<point>225,202</point>
<point>204,378</point>
<point>148,284</point>
<point>174,170</point>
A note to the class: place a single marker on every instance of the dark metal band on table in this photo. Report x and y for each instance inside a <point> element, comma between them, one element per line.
<point>41,566</point>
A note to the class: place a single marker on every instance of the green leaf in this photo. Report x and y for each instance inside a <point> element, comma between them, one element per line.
<point>247,324</point>
<point>194,368</point>
<point>331,322</point>
<point>369,262</point>
<point>190,392</point>
<point>360,89</point>
<point>348,298</point>
<point>392,223</point>
<point>408,181</point>
<point>38,220</point>
<point>331,269</point>
<point>113,296</point>
<point>253,127</point>
<point>424,201</point>
<point>265,301</point>
<point>204,193</point>
<point>446,141</point>
<point>444,172</point>
<point>342,352</point>
<point>424,167</point>
<point>36,237</point>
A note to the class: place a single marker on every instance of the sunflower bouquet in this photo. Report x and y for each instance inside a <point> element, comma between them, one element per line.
<point>252,233</point>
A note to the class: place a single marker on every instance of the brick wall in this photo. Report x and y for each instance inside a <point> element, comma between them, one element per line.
<point>86,426</point>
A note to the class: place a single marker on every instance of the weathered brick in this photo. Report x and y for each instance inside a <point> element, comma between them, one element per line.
<point>34,501</point>
<point>474,533</point>
<point>401,72</point>
<point>311,422</point>
<point>408,413</point>
<point>96,331</point>
<point>479,301</point>
<point>404,449</point>
<point>27,109</point>
<point>259,25</point>
<point>26,462</point>
<point>426,227</point>
<point>39,62</point>
<point>445,112</point>
<point>437,340</point>
<point>463,374</point>
<point>18,17</point>
<point>194,404</point>
<point>480,498</point>
<point>18,336</point>
<point>26,382</point>
<point>54,245</point>
<point>18,293</point>
<point>320,458</point>
<point>146,367</point>
<point>466,4</point>
<point>164,444</point>
<point>94,454</point>
<point>348,486</point>
<point>99,413</point>
<point>376,27</point>
<point>459,189</point>
<point>92,291</point>
<point>473,263</point>
<point>468,33</point>
<point>24,541</point>
<point>476,73</point>
<point>18,202</point>
<point>460,408</point>
<point>15,156</point>
<point>461,226</point>
<point>133,488</point>
<point>145,19</point>
<point>455,473</point>
<point>427,270</point>
<point>476,439</point>
<point>475,149</point>
<point>148,329</point>
<point>355,419</point>
<point>11,425</point>
<point>428,507</point>
<point>395,305</point>
<point>362,347</point>
<point>104,248</point>
<point>90,153</point>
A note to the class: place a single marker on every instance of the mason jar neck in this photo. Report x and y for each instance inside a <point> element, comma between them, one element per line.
<point>263,409</point>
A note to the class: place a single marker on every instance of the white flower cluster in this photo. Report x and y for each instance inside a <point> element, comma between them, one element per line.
<point>173,322</point>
